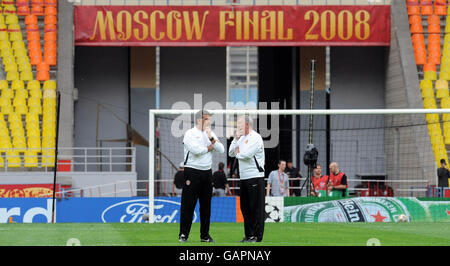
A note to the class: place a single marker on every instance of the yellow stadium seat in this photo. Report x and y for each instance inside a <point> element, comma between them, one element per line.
<point>26,75</point>
<point>21,109</point>
<point>33,101</point>
<point>35,93</point>
<point>13,75</point>
<point>426,84</point>
<point>19,144</point>
<point>429,103</point>
<point>18,44</point>
<point>3,33</point>
<point>14,118</point>
<point>34,84</point>
<point>14,36</point>
<point>441,89</point>
<point>7,59</point>
<point>445,103</point>
<point>2,162</point>
<point>431,75</point>
<point>11,19</point>
<point>49,84</point>
<point>446,118</point>
<point>35,110</point>
<point>7,109</point>
<point>31,159</point>
<point>34,142</point>
<point>13,159</point>
<point>18,100</point>
<point>25,67</point>
<point>21,93</point>
<point>4,84</point>
<point>7,93</point>
<point>5,44</point>
<point>4,100</point>
<point>48,93</point>
<point>11,67</point>
<point>432,118</point>
<point>17,84</point>
<point>427,92</point>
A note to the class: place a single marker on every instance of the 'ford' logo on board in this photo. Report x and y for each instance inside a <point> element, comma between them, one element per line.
<point>131,211</point>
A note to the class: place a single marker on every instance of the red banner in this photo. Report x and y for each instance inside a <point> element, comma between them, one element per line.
<point>28,190</point>
<point>232,25</point>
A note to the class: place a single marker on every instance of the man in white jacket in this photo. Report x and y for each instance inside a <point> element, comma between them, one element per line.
<point>248,148</point>
<point>199,143</point>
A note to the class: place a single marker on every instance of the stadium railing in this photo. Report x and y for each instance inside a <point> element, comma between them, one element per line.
<point>85,159</point>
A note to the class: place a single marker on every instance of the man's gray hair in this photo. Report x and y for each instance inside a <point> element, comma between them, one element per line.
<point>200,114</point>
<point>247,119</point>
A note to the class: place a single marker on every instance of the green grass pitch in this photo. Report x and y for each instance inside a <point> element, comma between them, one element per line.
<point>226,234</point>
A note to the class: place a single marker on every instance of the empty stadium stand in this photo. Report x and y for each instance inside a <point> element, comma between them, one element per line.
<point>28,49</point>
<point>430,29</point>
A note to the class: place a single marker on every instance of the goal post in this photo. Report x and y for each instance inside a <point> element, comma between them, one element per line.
<point>402,138</point>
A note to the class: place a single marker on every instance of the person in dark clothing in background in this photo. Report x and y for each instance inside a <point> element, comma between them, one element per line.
<point>443,176</point>
<point>294,178</point>
<point>219,180</point>
<point>178,181</point>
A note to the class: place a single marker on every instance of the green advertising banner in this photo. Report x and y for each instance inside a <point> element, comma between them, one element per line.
<point>366,209</point>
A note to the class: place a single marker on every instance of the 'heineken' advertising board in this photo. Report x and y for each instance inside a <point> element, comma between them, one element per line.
<point>366,209</point>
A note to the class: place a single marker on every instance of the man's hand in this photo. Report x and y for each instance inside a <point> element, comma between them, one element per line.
<point>210,147</point>
<point>236,135</point>
<point>236,151</point>
<point>208,132</point>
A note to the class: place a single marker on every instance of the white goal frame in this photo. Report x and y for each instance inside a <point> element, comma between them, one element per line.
<point>154,112</point>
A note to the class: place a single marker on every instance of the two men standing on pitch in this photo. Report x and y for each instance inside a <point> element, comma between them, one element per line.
<point>248,147</point>
<point>199,143</point>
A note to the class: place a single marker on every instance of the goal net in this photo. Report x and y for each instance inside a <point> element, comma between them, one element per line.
<point>383,152</point>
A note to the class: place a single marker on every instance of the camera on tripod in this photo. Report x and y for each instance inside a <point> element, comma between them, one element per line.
<point>311,155</point>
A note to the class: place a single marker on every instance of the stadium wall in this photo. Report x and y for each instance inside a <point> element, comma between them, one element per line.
<point>65,77</point>
<point>402,91</point>
<point>105,81</point>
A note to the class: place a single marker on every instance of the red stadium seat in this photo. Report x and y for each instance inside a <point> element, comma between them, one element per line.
<point>50,27</point>
<point>23,10</point>
<point>51,2</point>
<point>434,28</point>
<point>43,75</point>
<point>50,59</point>
<point>32,27</point>
<point>50,20</point>
<point>50,36</point>
<point>34,45</point>
<point>37,10</point>
<point>51,11</point>
<point>37,2</point>
<point>50,45</point>
<point>426,8</point>
<point>31,19</point>
<point>35,59</point>
<point>42,67</point>
<point>413,7</point>
<point>440,7</point>
<point>433,19</point>
<point>33,36</point>
<point>416,28</point>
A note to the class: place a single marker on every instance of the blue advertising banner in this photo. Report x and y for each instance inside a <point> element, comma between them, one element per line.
<point>132,209</point>
<point>26,210</point>
<point>108,210</point>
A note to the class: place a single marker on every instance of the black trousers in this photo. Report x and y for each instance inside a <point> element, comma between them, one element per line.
<point>198,186</point>
<point>252,206</point>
